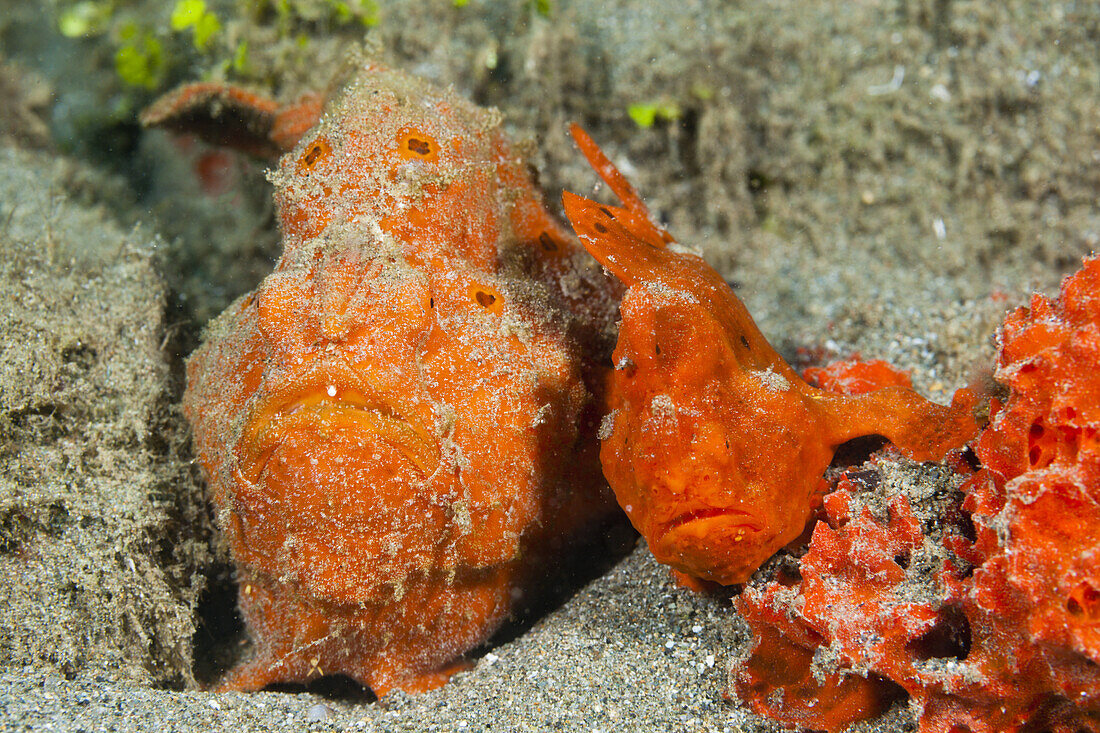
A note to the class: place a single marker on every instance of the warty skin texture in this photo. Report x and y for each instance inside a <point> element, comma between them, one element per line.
<point>398,425</point>
<point>714,443</point>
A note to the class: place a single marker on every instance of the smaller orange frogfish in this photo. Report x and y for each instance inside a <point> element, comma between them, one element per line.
<point>398,425</point>
<point>713,444</point>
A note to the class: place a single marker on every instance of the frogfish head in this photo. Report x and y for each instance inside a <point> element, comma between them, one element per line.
<point>401,155</point>
<point>359,421</point>
<point>674,451</point>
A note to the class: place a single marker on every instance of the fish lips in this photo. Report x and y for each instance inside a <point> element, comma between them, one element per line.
<point>335,393</point>
<point>720,544</point>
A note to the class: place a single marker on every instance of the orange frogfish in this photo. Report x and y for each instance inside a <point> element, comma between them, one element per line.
<point>398,424</point>
<point>713,444</point>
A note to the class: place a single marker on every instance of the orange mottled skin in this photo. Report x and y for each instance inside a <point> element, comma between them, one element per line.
<point>398,424</point>
<point>714,444</point>
<point>856,376</point>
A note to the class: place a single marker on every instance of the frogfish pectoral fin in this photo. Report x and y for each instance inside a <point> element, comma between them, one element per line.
<point>922,429</point>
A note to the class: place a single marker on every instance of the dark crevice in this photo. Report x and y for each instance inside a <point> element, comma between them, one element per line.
<point>949,638</point>
<point>219,630</point>
<point>857,451</point>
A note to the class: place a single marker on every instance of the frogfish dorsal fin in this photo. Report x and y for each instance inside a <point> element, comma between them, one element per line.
<point>633,214</point>
<point>634,248</point>
<point>234,117</point>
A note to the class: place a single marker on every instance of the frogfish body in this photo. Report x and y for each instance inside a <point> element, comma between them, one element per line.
<point>396,425</point>
<point>714,444</point>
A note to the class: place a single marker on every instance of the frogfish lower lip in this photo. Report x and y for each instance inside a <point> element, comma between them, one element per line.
<point>719,544</point>
<point>729,514</point>
<point>699,527</point>
<point>326,397</point>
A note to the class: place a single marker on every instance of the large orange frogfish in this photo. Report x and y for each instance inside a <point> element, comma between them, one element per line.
<point>398,423</point>
<point>714,444</point>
